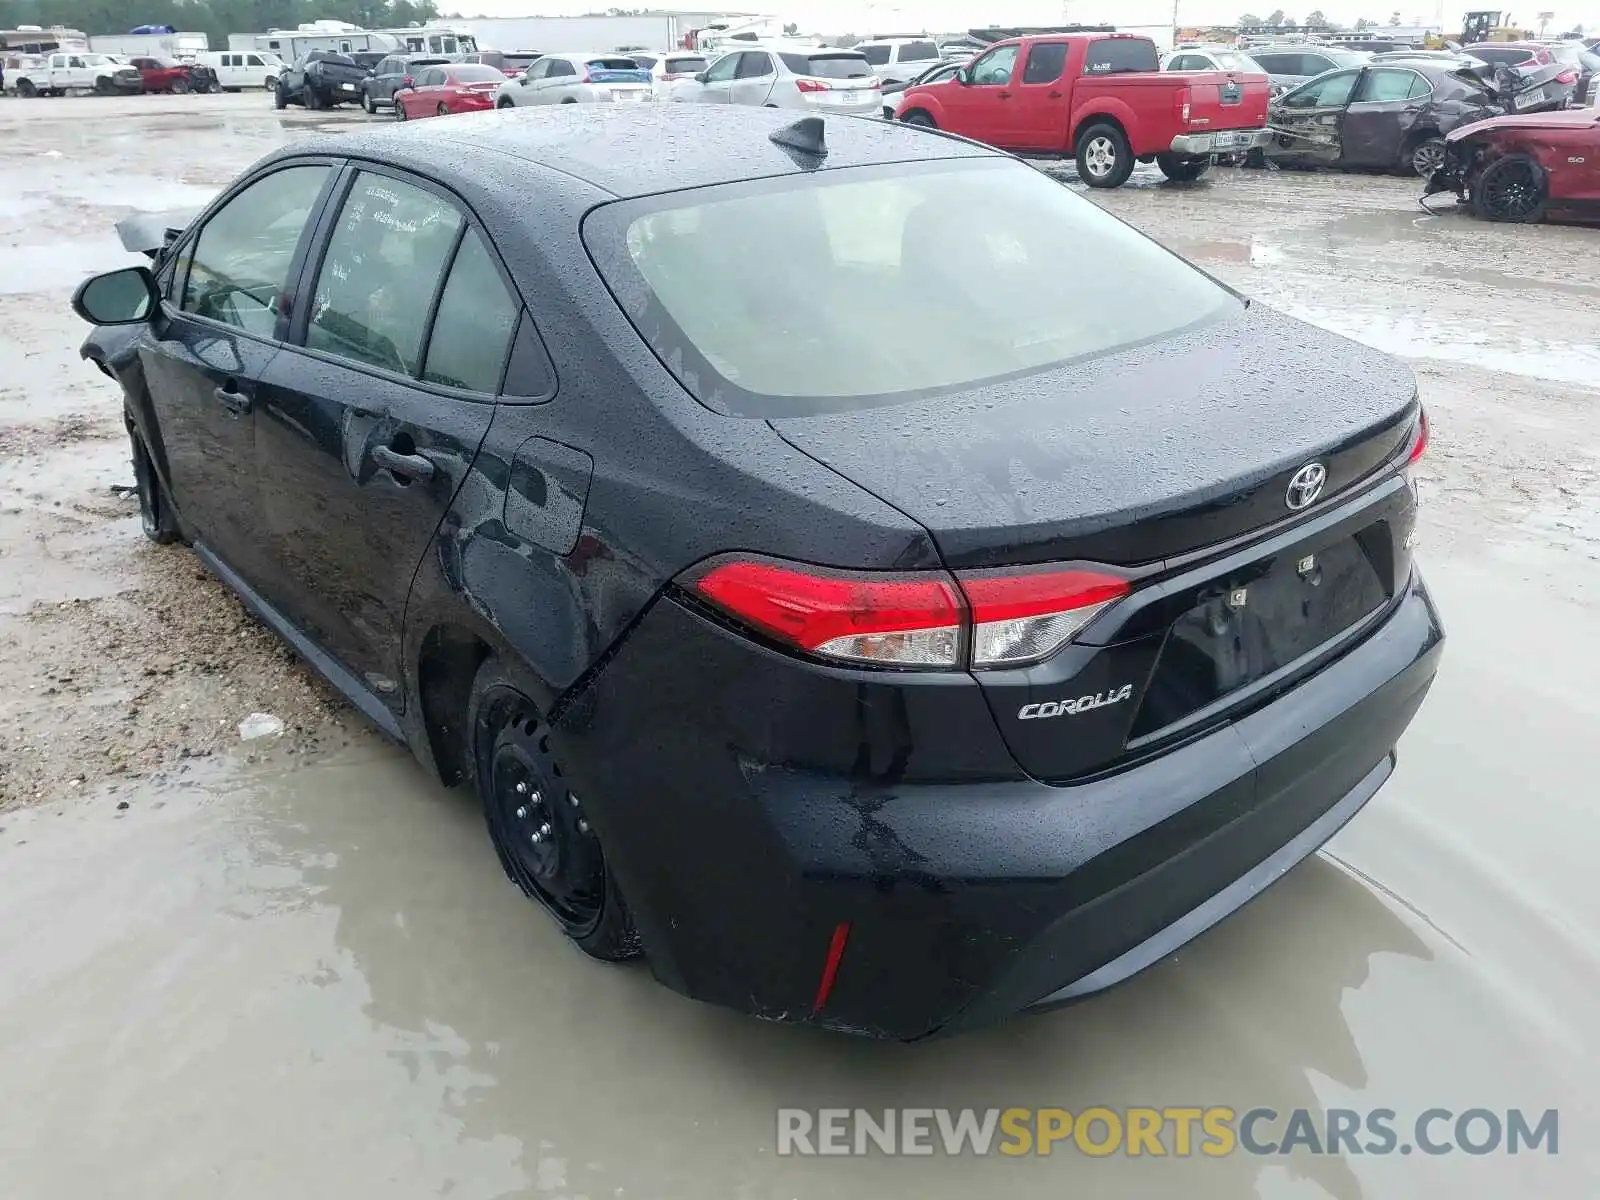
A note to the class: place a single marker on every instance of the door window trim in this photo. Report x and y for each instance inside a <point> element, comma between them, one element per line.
<point>173,309</point>
<point>311,267</point>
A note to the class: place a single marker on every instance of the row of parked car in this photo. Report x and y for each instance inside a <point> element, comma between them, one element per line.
<point>109,74</point>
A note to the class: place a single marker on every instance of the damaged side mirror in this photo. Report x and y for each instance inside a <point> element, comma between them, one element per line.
<point>124,297</point>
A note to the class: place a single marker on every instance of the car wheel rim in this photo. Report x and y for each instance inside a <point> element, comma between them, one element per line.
<point>1429,157</point>
<point>1512,191</point>
<point>1100,157</point>
<point>543,827</point>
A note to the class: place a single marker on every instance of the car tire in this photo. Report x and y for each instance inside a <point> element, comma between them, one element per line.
<point>918,117</point>
<point>1512,189</point>
<point>156,514</point>
<point>26,90</point>
<point>1182,169</point>
<point>569,100</point>
<point>367,106</point>
<point>399,111</point>
<point>312,98</point>
<point>1423,156</point>
<point>1105,160</point>
<point>271,83</point>
<point>179,87</point>
<point>539,827</point>
<point>442,111</point>
<point>280,98</point>
<point>505,104</point>
<point>214,88</point>
<point>104,87</point>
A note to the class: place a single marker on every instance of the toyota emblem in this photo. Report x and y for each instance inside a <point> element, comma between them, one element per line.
<point>1306,486</point>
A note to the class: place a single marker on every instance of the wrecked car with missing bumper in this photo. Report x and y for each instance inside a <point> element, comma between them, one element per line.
<point>727,596</point>
<point>1525,169</point>
<point>1395,116</point>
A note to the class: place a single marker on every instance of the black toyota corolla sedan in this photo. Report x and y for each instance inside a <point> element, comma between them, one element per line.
<point>854,571</point>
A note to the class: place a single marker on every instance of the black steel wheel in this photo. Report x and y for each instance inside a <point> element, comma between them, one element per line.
<point>1510,189</point>
<point>155,510</point>
<point>540,827</point>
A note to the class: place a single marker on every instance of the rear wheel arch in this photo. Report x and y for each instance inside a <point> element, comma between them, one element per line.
<point>919,116</point>
<point>448,660</point>
<point>1097,118</point>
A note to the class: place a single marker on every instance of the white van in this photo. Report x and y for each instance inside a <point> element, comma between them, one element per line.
<point>238,69</point>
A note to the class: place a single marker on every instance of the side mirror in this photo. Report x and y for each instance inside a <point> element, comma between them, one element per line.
<point>124,297</point>
<point>407,82</point>
<point>964,76</point>
<point>523,79</point>
<point>700,77</point>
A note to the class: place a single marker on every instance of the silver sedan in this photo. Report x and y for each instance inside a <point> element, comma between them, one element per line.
<point>815,79</point>
<point>576,79</point>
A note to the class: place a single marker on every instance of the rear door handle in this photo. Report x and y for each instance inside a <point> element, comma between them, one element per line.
<point>233,401</point>
<point>411,467</point>
<point>1055,95</point>
<point>1005,95</point>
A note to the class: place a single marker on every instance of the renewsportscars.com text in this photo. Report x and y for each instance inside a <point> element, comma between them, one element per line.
<point>1159,1132</point>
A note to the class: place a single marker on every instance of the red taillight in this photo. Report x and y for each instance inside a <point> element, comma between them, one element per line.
<point>921,619</point>
<point>904,620</point>
<point>1568,76</point>
<point>812,85</point>
<point>1419,443</point>
<point>1022,616</point>
<point>1181,106</point>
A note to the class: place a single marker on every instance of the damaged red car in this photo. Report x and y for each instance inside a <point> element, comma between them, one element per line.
<point>1526,168</point>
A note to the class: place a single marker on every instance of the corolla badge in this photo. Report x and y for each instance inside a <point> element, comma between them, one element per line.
<point>1069,708</point>
<point>1306,486</point>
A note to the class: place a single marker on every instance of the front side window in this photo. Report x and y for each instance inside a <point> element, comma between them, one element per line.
<point>722,70</point>
<point>995,67</point>
<point>878,284</point>
<point>753,66</point>
<point>473,328</point>
<point>235,271</point>
<point>1045,63</point>
<point>383,264</point>
<point>1331,91</point>
<point>560,66</point>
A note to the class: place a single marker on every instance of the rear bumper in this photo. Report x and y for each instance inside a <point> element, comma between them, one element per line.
<point>967,900</point>
<point>1227,141</point>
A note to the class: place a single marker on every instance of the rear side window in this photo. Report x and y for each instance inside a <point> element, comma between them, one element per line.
<point>876,55</point>
<point>379,275</point>
<point>1383,85</point>
<point>1045,63</point>
<point>236,269</point>
<point>473,328</point>
<point>1114,56</point>
<point>828,66</point>
<point>1279,64</point>
<point>882,283</point>
<point>918,51</point>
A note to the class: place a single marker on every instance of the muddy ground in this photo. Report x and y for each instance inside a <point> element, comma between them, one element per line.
<point>291,966</point>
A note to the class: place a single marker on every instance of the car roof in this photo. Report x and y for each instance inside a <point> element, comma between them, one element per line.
<point>690,145</point>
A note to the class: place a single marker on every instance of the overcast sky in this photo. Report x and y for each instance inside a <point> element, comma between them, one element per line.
<point>859,16</point>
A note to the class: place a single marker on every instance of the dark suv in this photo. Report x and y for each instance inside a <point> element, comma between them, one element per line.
<point>390,74</point>
<point>320,79</point>
<point>888,674</point>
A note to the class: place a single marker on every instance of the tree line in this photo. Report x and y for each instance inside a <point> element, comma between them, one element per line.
<point>215,18</point>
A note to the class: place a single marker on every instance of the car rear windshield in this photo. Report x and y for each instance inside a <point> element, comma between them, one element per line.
<point>1121,55</point>
<point>685,65</point>
<point>475,73</point>
<point>612,64</point>
<point>1230,60</point>
<point>828,66</point>
<point>843,289</point>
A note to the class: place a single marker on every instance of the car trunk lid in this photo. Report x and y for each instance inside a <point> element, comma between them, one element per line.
<point>1132,458</point>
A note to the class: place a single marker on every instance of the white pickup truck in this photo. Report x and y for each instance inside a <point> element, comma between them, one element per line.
<point>58,74</point>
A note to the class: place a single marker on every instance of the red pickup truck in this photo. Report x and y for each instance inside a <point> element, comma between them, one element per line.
<point>1101,97</point>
